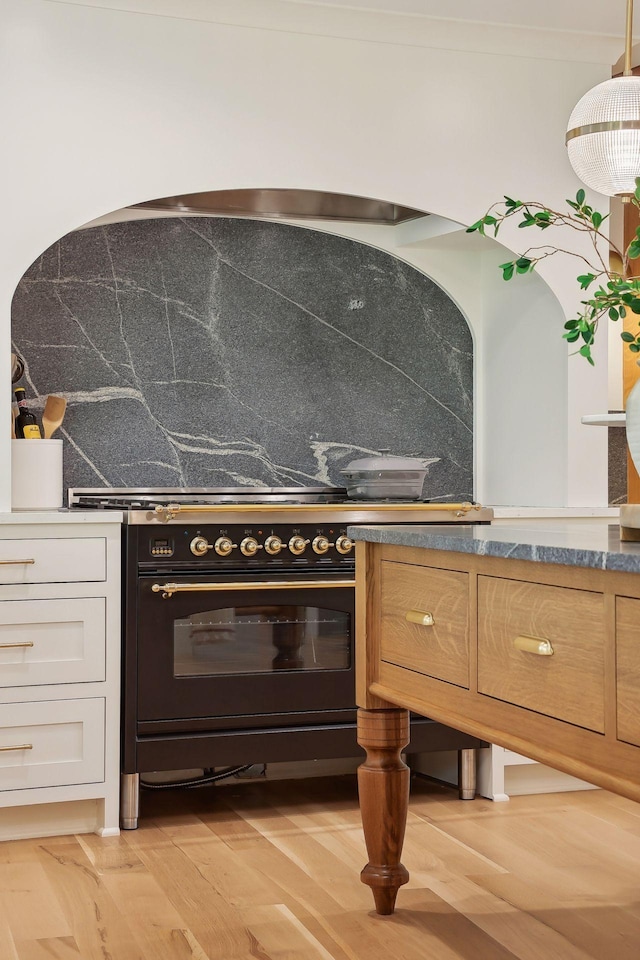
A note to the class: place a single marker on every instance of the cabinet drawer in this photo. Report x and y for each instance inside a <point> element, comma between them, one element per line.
<point>568,684</point>
<point>60,560</point>
<point>628,669</point>
<point>52,641</point>
<point>439,650</point>
<point>51,743</point>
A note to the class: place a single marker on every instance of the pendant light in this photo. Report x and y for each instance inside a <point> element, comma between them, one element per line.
<point>603,134</point>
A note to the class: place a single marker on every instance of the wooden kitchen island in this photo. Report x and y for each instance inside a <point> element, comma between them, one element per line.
<point>523,633</point>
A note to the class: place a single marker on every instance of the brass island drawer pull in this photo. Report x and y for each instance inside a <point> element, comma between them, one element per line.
<point>7,562</point>
<point>541,648</point>
<point>22,643</point>
<point>18,746</point>
<point>418,616</point>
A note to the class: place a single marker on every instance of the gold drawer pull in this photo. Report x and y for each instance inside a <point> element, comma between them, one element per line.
<point>535,645</point>
<point>22,643</point>
<point>417,616</point>
<point>18,746</point>
<point>7,562</point>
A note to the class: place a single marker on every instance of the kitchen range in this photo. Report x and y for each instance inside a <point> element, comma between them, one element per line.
<point>239,627</point>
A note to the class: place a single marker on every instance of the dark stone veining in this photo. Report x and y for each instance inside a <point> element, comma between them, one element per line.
<point>576,543</point>
<point>224,352</point>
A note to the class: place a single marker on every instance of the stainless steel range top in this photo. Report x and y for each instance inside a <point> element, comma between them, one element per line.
<point>293,505</point>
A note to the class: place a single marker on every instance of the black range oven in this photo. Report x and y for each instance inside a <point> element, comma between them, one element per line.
<point>233,645</point>
<point>238,640</point>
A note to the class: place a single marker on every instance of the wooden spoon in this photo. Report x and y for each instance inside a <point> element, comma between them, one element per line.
<point>53,415</point>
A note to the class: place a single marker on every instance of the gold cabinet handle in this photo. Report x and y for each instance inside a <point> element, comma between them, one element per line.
<point>22,643</point>
<point>18,746</point>
<point>7,562</point>
<point>542,648</point>
<point>419,616</point>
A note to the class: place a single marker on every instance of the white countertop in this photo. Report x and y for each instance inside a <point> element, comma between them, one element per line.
<point>605,419</point>
<point>116,516</point>
<point>62,516</point>
<point>563,513</point>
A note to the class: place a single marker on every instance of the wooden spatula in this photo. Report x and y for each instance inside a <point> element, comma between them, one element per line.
<point>53,415</point>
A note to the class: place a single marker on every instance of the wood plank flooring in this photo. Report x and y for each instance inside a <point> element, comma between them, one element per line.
<point>270,871</point>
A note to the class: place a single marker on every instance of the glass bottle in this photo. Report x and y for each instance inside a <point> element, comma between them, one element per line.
<point>26,424</point>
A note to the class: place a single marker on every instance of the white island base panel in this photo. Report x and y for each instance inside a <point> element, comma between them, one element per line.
<point>501,773</point>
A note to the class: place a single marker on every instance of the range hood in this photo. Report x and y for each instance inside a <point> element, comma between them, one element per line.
<point>292,204</point>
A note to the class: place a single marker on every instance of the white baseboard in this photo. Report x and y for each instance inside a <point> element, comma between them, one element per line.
<point>50,819</point>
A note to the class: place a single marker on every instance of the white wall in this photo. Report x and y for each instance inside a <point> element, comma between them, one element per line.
<point>110,107</point>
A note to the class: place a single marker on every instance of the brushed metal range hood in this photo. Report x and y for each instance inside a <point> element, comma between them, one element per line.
<point>292,204</point>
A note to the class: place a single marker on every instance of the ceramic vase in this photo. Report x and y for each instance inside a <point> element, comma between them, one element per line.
<point>633,424</point>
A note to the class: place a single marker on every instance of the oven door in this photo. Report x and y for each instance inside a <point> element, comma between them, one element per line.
<point>238,648</point>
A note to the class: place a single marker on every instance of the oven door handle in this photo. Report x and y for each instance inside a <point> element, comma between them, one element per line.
<point>168,589</point>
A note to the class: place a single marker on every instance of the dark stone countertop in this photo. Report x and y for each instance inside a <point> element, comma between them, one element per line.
<point>573,542</point>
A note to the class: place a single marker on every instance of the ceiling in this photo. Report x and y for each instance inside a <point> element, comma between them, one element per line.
<point>583,16</point>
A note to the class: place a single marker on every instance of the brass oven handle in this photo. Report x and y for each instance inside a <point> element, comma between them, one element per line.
<point>7,562</point>
<point>18,746</point>
<point>22,643</point>
<point>535,645</point>
<point>168,589</point>
<point>171,510</point>
<point>418,616</point>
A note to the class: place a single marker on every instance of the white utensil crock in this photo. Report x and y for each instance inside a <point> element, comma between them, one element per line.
<point>36,474</point>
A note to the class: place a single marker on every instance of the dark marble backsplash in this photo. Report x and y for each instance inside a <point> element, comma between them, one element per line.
<point>226,352</point>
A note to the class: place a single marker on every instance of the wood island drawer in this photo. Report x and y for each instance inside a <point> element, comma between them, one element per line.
<point>51,743</point>
<point>439,649</point>
<point>568,684</point>
<point>628,669</point>
<point>52,641</point>
<point>55,560</point>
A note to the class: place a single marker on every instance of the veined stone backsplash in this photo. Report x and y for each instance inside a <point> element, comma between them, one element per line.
<point>226,352</point>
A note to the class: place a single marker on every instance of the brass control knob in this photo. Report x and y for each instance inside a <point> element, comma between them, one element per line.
<point>321,544</point>
<point>200,546</point>
<point>273,545</point>
<point>344,544</point>
<point>297,545</point>
<point>223,546</point>
<point>250,546</point>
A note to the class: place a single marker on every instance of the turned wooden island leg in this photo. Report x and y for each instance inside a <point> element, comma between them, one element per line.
<point>383,787</point>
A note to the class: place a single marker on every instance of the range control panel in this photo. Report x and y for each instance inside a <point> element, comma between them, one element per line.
<point>238,545</point>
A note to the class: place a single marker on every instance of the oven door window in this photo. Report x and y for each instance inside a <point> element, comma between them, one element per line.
<point>233,651</point>
<point>260,639</point>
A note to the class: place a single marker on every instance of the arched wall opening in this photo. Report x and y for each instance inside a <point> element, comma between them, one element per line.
<point>217,351</point>
<point>383,336</point>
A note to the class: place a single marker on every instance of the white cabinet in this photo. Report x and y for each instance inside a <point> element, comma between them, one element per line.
<point>51,743</point>
<point>503,774</point>
<point>57,560</point>
<point>60,642</point>
<point>52,641</point>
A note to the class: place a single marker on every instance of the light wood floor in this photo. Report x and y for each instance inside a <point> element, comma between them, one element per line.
<point>269,871</point>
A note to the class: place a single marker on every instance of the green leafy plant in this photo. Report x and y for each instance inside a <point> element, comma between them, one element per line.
<point>611,294</point>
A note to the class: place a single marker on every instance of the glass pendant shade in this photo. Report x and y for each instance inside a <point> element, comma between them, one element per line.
<point>603,136</point>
